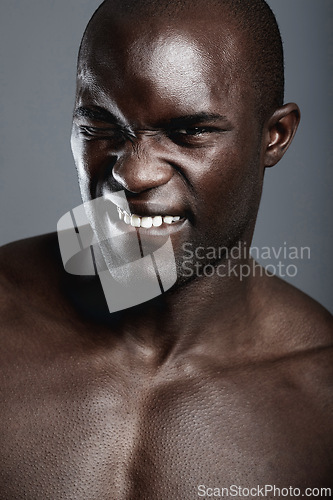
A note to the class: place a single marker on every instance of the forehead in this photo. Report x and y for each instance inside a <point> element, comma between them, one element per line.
<point>186,64</point>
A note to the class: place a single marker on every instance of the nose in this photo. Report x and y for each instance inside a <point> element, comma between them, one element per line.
<point>143,165</point>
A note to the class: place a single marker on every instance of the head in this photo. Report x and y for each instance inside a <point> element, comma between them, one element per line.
<point>180,104</point>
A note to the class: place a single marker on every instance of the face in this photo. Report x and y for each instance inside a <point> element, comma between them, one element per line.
<point>170,120</point>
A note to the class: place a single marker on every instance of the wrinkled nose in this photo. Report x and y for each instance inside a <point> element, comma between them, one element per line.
<point>142,166</point>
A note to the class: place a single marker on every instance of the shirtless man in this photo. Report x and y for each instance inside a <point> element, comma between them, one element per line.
<point>218,382</point>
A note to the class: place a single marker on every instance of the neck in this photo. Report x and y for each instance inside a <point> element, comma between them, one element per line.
<point>204,314</point>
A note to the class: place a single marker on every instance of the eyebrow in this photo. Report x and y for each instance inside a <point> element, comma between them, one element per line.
<point>96,113</point>
<point>100,114</point>
<point>196,119</point>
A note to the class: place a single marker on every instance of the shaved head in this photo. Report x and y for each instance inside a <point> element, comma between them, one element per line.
<point>257,57</point>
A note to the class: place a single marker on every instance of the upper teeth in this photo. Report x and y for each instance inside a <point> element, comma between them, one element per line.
<point>146,222</point>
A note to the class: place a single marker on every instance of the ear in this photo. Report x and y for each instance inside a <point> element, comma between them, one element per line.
<point>280,130</point>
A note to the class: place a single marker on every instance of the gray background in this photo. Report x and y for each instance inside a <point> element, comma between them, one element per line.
<point>39,42</point>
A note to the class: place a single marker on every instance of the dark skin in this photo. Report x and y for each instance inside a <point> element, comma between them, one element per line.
<point>217,382</point>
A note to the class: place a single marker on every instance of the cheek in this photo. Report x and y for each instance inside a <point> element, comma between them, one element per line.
<point>230,191</point>
<point>230,178</point>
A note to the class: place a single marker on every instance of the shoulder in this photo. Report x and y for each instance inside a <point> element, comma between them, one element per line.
<point>297,309</point>
<point>37,317</point>
<point>30,277</point>
<point>307,329</point>
<point>26,263</point>
<point>31,247</point>
<point>290,320</point>
<point>294,354</point>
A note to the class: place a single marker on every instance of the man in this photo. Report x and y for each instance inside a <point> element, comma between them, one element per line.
<point>223,380</point>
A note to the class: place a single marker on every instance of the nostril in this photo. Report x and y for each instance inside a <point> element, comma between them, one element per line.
<point>125,182</point>
<point>138,171</point>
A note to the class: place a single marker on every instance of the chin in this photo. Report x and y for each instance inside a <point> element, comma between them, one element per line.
<point>128,278</point>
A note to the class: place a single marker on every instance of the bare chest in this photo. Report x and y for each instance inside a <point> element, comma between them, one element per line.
<point>99,437</point>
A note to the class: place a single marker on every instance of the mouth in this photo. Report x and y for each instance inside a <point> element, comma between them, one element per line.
<point>147,222</point>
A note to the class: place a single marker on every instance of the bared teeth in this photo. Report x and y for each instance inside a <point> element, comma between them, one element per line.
<point>168,219</point>
<point>135,221</point>
<point>146,222</point>
<point>127,218</point>
<point>157,221</point>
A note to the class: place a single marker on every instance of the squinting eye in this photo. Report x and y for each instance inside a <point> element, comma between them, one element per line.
<point>193,136</point>
<point>101,133</point>
<point>192,131</point>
